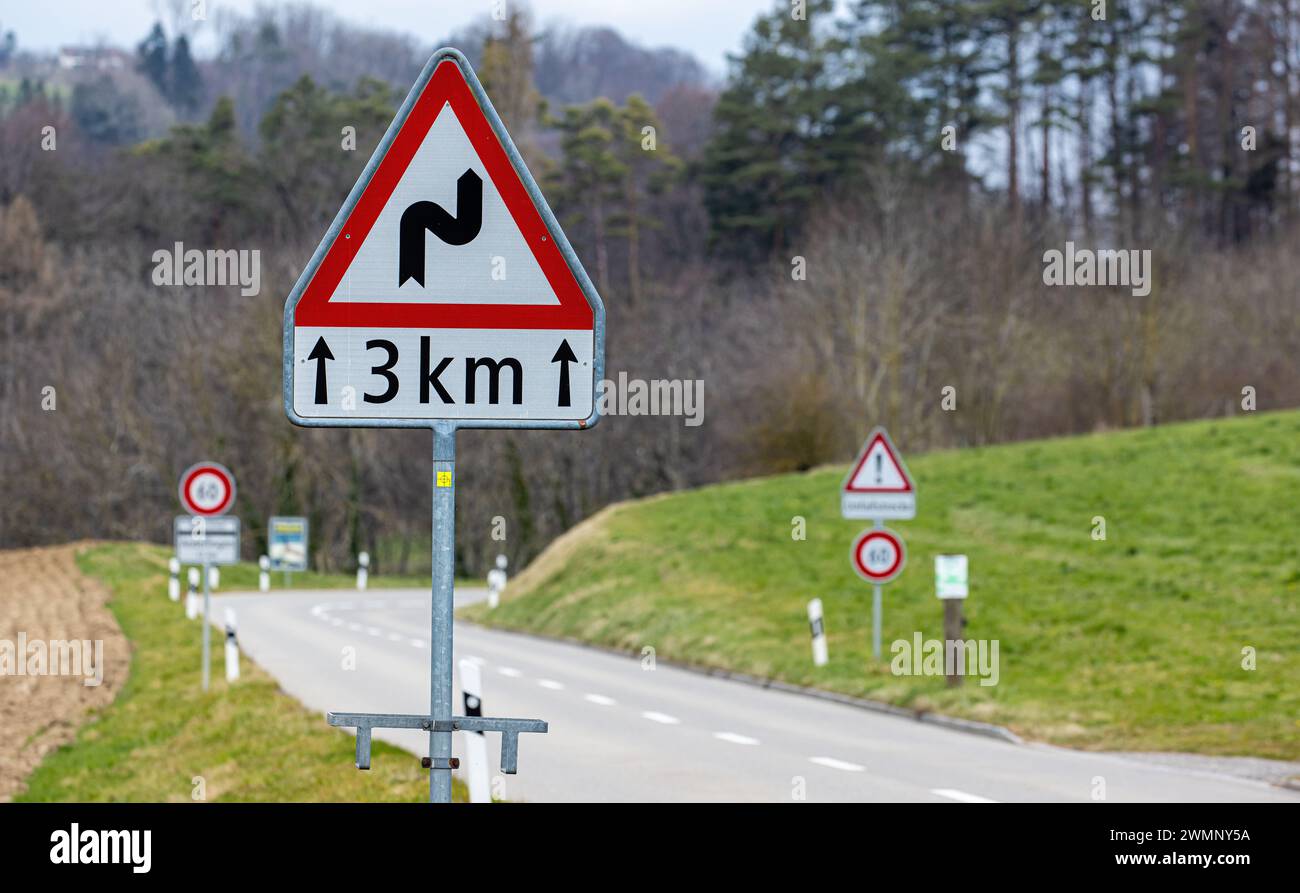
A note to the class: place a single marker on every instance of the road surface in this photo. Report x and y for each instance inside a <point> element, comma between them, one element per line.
<point>621,732</point>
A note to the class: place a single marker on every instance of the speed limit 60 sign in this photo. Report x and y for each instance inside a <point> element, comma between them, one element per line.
<point>878,555</point>
<point>207,489</point>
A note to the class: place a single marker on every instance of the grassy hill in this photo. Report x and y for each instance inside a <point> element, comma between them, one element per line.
<point>1134,642</point>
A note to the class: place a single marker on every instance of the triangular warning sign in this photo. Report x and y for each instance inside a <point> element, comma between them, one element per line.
<point>445,291</point>
<point>878,485</point>
<point>445,231</point>
<point>878,469</point>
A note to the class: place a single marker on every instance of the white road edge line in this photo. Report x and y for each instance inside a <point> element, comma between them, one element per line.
<point>655,716</point>
<point>960,796</point>
<point>832,763</point>
<point>735,739</point>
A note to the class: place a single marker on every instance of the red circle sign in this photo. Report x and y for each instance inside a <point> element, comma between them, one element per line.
<point>207,489</point>
<point>878,555</point>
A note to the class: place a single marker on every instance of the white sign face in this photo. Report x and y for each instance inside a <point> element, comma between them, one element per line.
<point>207,489</point>
<point>444,373</point>
<point>950,579</point>
<point>878,485</point>
<point>445,289</point>
<point>878,555</point>
<point>201,540</point>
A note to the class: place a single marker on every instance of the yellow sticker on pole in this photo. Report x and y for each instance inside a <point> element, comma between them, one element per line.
<point>444,479</point>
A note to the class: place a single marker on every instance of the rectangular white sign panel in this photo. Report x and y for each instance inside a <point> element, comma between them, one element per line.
<point>476,374</point>
<point>206,540</point>
<point>950,579</point>
<point>885,506</point>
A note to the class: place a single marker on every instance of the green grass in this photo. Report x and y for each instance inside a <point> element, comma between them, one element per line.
<point>243,576</point>
<point>248,741</point>
<point>1134,642</point>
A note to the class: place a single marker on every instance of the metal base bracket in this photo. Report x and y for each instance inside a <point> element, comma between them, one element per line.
<point>509,729</point>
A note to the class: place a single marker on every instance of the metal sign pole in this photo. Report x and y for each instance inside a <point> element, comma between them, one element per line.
<point>444,560</point>
<point>876,611</point>
<point>875,622</point>
<point>206,629</point>
<point>440,723</point>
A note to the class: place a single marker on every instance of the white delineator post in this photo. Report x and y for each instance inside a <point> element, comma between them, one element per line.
<point>192,596</point>
<point>476,760</point>
<point>497,581</point>
<point>363,571</point>
<point>174,581</point>
<point>820,655</point>
<point>214,576</point>
<point>264,574</point>
<point>232,648</point>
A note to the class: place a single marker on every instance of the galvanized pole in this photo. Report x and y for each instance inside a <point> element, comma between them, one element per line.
<point>206,631</point>
<point>875,622</point>
<point>876,611</point>
<point>444,561</point>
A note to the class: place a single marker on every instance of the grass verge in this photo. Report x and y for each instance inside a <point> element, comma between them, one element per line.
<point>245,742</point>
<point>1139,641</point>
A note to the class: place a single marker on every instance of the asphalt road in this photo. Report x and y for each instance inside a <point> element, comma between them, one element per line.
<point>619,732</point>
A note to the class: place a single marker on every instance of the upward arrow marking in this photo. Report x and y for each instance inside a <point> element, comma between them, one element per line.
<point>321,353</point>
<point>564,356</point>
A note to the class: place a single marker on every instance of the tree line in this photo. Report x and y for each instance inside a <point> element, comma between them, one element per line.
<point>849,231</point>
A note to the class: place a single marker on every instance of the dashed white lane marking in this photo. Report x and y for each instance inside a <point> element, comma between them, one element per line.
<point>417,643</point>
<point>655,716</point>
<point>336,621</point>
<point>832,763</point>
<point>355,627</point>
<point>394,637</point>
<point>600,699</point>
<point>374,631</point>
<point>734,738</point>
<point>551,684</point>
<point>960,796</point>
<point>510,672</point>
<point>475,660</point>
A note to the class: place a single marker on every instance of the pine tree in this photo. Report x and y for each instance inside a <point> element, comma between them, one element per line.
<point>782,138</point>
<point>185,81</point>
<point>507,75</point>
<point>588,182</point>
<point>151,58</point>
<point>648,165</point>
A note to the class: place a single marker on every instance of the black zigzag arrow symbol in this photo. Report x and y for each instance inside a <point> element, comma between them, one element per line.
<point>458,230</point>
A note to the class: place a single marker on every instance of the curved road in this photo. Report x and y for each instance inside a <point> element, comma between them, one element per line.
<point>619,732</point>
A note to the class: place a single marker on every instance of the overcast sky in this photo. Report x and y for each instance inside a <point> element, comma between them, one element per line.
<point>707,28</point>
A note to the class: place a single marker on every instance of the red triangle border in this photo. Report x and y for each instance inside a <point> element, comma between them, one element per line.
<point>447,85</point>
<point>907,478</point>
